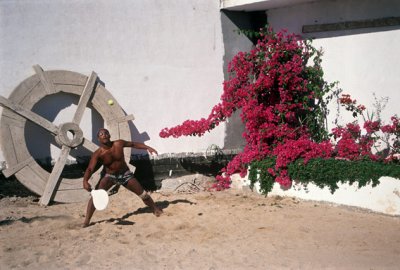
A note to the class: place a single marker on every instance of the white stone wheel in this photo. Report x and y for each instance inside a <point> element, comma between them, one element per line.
<point>17,110</point>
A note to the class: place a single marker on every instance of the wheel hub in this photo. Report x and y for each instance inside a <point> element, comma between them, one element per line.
<point>63,139</point>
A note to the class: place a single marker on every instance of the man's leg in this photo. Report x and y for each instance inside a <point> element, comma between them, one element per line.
<point>134,186</point>
<point>105,184</point>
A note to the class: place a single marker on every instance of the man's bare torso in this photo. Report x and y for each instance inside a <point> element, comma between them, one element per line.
<point>113,158</point>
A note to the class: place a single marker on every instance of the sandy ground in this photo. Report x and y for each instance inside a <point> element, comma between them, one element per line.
<point>202,230</point>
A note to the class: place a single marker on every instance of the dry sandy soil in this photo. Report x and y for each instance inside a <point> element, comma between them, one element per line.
<point>198,230</point>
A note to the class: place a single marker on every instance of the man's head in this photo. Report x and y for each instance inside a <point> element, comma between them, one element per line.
<point>103,132</point>
<point>103,135</point>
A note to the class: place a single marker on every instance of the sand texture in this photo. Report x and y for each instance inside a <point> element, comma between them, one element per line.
<point>198,230</point>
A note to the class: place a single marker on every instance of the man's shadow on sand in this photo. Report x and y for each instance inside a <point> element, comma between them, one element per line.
<point>143,210</point>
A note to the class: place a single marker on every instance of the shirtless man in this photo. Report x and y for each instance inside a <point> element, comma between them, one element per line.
<point>111,156</point>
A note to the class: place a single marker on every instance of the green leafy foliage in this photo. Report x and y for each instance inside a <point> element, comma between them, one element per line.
<point>325,172</point>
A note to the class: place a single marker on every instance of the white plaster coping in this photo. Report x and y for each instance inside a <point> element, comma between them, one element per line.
<point>384,198</point>
<point>253,5</point>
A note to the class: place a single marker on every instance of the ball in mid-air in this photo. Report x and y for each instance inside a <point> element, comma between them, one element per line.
<point>110,102</point>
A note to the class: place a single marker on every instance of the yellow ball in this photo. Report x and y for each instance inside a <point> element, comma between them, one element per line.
<point>110,102</point>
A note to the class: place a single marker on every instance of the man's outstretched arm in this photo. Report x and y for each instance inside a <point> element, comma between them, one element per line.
<point>139,145</point>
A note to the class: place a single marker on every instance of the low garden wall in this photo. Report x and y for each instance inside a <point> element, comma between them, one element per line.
<point>383,198</point>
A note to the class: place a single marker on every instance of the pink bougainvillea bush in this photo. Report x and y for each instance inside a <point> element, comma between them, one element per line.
<point>376,139</point>
<point>280,90</point>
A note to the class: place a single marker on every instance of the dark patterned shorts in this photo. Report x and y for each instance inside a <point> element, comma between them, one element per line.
<point>122,178</point>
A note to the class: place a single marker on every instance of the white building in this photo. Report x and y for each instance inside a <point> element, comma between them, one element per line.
<point>165,61</point>
<point>360,40</point>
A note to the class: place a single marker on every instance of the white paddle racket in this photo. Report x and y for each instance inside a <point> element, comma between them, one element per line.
<point>100,198</point>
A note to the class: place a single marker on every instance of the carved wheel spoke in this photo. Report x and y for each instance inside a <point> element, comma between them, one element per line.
<point>54,177</point>
<point>83,101</point>
<point>29,115</point>
<point>18,109</point>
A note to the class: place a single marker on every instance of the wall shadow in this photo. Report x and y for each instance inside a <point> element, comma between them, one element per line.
<point>231,22</point>
<point>10,187</point>
<point>144,172</point>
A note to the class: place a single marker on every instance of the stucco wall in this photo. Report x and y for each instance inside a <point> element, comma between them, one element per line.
<point>383,198</point>
<point>364,61</point>
<point>252,5</point>
<point>162,60</point>
<point>234,43</point>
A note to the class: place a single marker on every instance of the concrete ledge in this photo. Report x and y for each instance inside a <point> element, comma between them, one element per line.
<point>257,5</point>
<point>384,198</point>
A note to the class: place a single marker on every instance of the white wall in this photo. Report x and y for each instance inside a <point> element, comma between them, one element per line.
<point>364,61</point>
<point>252,5</point>
<point>162,60</point>
<point>383,198</point>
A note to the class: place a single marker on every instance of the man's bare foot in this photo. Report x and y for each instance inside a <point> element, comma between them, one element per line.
<point>157,212</point>
<point>86,225</point>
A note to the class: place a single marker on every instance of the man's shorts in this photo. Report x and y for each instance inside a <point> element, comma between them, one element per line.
<point>120,179</point>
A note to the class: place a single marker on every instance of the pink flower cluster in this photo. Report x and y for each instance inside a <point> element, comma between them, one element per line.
<point>275,88</point>
<point>353,144</point>
<point>198,127</point>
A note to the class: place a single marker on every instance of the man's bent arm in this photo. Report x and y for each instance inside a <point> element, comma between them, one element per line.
<point>89,171</point>
<point>139,145</point>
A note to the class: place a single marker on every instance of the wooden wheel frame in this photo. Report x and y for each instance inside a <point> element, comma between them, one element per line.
<point>17,110</point>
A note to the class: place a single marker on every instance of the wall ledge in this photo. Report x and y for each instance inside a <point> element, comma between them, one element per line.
<point>383,198</point>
